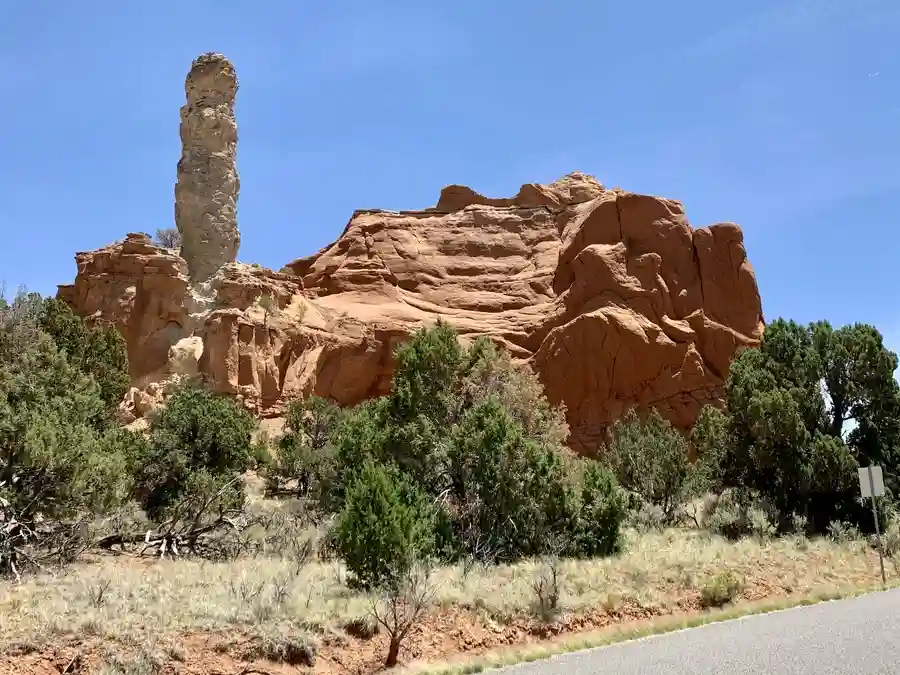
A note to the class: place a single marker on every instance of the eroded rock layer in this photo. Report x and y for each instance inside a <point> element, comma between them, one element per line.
<point>611,297</point>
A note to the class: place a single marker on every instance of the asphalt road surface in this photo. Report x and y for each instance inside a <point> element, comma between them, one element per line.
<point>860,636</point>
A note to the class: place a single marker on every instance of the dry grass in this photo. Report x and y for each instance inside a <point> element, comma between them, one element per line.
<point>659,569</point>
<point>134,601</point>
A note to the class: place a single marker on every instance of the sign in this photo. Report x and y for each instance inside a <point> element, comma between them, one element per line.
<point>871,482</point>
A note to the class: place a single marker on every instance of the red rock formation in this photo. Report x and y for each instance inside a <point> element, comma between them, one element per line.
<point>611,297</point>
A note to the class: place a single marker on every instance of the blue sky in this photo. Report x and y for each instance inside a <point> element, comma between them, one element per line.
<point>781,115</point>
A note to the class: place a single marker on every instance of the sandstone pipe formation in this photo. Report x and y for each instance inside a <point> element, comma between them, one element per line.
<point>207,190</point>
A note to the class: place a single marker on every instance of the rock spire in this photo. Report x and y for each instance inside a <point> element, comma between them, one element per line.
<point>207,190</point>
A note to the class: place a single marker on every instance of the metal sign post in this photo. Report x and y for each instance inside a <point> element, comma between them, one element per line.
<point>871,484</point>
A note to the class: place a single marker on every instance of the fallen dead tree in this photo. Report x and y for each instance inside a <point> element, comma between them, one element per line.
<point>190,528</point>
<point>195,528</point>
<point>28,544</point>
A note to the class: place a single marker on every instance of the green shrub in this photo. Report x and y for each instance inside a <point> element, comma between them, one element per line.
<point>891,534</point>
<point>306,452</point>
<point>509,494</point>
<point>199,443</point>
<point>61,459</point>
<point>98,351</point>
<point>362,435</point>
<point>789,401</point>
<point>261,458</point>
<point>646,517</point>
<point>385,528</point>
<point>490,372</point>
<point>53,458</point>
<point>711,441</point>
<point>600,514</point>
<point>723,588</point>
<point>474,432</point>
<point>843,532</point>
<point>650,459</point>
<point>427,375</point>
<point>738,513</point>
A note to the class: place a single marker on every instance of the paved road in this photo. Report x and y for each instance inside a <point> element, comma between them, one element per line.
<point>859,637</point>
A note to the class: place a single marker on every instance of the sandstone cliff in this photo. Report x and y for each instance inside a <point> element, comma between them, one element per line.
<point>611,297</point>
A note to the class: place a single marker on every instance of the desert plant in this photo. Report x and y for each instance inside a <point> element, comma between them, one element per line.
<point>600,513</point>
<point>710,441</point>
<point>506,490</point>
<point>143,662</point>
<point>788,403</point>
<point>650,458</point>
<point>168,237</point>
<point>189,482</point>
<point>843,532</point>
<point>62,460</point>
<point>891,533</point>
<point>723,588</point>
<point>646,517</point>
<point>98,351</point>
<point>490,371</point>
<point>305,463</point>
<point>547,589</point>
<point>293,650</point>
<point>489,456</point>
<point>738,513</point>
<point>402,604</point>
<point>269,305</point>
<point>386,526</point>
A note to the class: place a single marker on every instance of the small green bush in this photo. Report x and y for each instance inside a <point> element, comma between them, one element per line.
<point>738,513</point>
<point>98,351</point>
<point>509,494</point>
<point>306,453</point>
<point>363,435</point>
<point>600,515</point>
<point>56,458</point>
<point>650,459</point>
<point>520,392</point>
<point>711,441</point>
<point>261,458</point>
<point>723,588</point>
<point>843,532</point>
<point>295,650</point>
<point>646,517</point>
<point>385,528</point>
<point>199,443</point>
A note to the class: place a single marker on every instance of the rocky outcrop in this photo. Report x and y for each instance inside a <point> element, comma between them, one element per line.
<point>207,190</point>
<point>142,290</point>
<point>611,297</point>
<point>573,188</point>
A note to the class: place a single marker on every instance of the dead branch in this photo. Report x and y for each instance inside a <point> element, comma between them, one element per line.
<point>400,606</point>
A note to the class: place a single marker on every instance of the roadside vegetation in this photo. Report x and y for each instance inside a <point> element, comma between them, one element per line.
<point>454,498</point>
